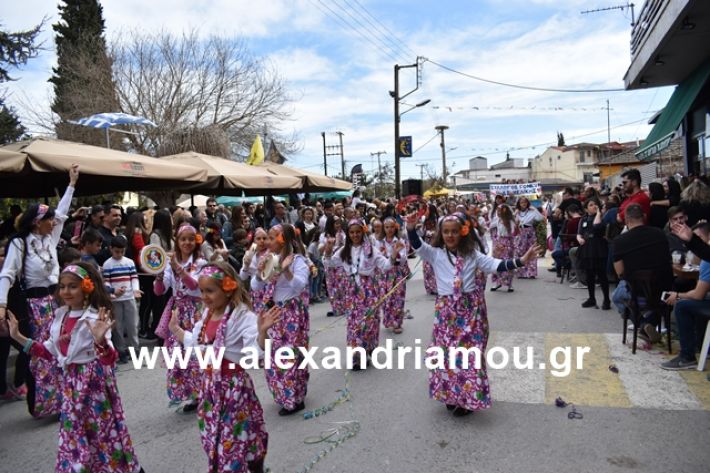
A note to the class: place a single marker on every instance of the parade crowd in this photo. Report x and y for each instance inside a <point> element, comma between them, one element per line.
<point>75,294</point>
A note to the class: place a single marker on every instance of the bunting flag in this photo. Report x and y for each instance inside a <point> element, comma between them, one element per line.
<point>256,156</point>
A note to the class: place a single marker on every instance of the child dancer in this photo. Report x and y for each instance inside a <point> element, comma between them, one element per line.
<point>181,276</point>
<point>288,289</point>
<point>460,317</point>
<point>396,249</point>
<point>504,246</point>
<point>334,229</point>
<point>527,217</point>
<point>231,419</point>
<point>358,260</point>
<point>92,431</point>
<point>428,231</point>
<point>249,267</point>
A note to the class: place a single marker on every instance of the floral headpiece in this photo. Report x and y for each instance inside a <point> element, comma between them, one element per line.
<point>87,285</point>
<point>41,212</point>
<point>227,282</point>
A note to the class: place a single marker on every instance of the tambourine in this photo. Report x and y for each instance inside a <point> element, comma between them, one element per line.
<point>270,267</point>
<point>153,259</point>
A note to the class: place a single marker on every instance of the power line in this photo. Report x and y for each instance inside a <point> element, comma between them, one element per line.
<point>397,50</point>
<point>343,21</point>
<point>387,32</point>
<point>427,142</point>
<point>518,86</point>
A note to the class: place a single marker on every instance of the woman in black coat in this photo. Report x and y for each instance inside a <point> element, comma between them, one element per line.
<point>593,252</point>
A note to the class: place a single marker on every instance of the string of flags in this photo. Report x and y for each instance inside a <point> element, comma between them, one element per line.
<point>516,107</point>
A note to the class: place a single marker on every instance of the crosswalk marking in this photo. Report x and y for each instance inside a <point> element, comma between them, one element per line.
<point>640,381</point>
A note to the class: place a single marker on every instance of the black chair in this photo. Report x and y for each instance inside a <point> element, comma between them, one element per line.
<point>647,284</point>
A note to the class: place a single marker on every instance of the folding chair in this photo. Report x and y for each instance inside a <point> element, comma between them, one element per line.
<point>646,284</point>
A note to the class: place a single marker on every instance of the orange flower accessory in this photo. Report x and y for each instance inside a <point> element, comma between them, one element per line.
<point>280,239</point>
<point>198,239</point>
<point>298,231</point>
<point>87,285</point>
<point>229,284</point>
<point>466,228</point>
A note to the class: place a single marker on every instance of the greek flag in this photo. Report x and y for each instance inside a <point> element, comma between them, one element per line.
<point>107,120</point>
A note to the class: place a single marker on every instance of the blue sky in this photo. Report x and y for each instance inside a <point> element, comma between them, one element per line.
<point>338,55</point>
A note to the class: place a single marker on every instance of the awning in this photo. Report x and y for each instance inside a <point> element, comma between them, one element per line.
<point>678,105</point>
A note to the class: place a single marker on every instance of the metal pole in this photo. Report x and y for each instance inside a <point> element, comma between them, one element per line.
<point>608,123</point>
<point>342,155</point>
<point>441,129</point>
<point>325,157</point>
<point>108,144</point>
<point>397,188</point>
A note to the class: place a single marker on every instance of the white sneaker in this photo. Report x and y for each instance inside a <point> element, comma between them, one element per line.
<point>578,285</point>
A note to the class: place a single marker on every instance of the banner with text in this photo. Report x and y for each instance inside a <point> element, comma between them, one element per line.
<point>527,188</point>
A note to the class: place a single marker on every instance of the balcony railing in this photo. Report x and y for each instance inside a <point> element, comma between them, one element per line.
<point>650,13</point>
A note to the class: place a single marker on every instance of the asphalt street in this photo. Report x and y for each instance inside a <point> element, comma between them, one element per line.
<point>641,419</point>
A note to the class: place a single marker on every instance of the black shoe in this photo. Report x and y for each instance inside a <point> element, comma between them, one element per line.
<point>142,334</point>
<point>494,289</point>
<point>450,407</point>
<point>510,289</point>
<point>122,359</point>
<point>299,407</point>
<point>151,336</point>
<point>589,303</point>
<point>330,314</point>
<point>461,412</point>
<point>191,407</point>
<point>606,305</point>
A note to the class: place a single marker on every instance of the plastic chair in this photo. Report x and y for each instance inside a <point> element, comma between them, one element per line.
<point>646,284</point>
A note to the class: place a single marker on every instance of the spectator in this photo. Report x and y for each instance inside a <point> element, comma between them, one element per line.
<point>213,214</point>
<point>569,199</point>
<point>658,216</point>
<point>120,274</point>
<point>643,247</point>
<point>328,209</point>
<point>109,228</point>
<point>89,247</point>
<point>631,182</point>
<point>152,305</point>
<point>568,238</point>
<point>280,216</point>
<point>676,215</point>
<point>214,249</point>
<point>692,311</point>
<point>593,252</point>
<point>239,249</point>
<point>695,202</point>
<point>235,222</point>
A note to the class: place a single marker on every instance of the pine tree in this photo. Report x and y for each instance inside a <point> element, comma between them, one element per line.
<point>560,139</point>
<point>11,129</point>
<point>83,83</point>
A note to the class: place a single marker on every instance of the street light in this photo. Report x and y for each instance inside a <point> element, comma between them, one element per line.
<point>397,116</point>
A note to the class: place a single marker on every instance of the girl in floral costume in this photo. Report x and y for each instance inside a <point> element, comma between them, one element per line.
<point>460,318</point>
<point>288,289</point>
<point>334,276</point>
<point>527,217</point>
<point>93,436</point>
<point>428,231</point>
<point>181,276</point>
<point>504,245</point>
<point>231,420</point>
<point>358,260</point>
<point>394,248</point>
<point>259,249</point>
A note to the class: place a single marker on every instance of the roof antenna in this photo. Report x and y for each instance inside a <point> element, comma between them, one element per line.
<point>618,7</point>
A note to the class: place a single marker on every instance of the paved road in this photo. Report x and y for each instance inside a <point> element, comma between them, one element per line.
<point>641,419</point>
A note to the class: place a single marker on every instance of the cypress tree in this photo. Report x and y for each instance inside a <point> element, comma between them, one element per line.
<point>83,83</point>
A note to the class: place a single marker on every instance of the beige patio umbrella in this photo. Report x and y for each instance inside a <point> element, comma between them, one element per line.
<point>312,182</point>
<point>227,177</point>
<point>47,162</point>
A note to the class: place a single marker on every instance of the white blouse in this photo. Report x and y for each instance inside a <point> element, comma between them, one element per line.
<point>241,335</point>
<point>361,264</point>
<point>286,289</point>
<point>529,217</point>
<point>389,249</point>
<point>81,345</point>
<point>446,272</point>
<point>179,288</point>
<point>41,252</point>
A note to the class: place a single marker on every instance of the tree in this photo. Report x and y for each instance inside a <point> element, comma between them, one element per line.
<point>15,50</point>
<point>187,83</point>
<point>82,80</point>
<point>18,48</point>
<point>11,129</point>
<point>560,139</point>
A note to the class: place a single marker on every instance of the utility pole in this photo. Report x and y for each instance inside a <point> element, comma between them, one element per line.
<point>379,166</point>
<point>325,155</point>
<point>334,150</point>
<point>421,171</point>
<point>441,129</point>
<point>342,153</point>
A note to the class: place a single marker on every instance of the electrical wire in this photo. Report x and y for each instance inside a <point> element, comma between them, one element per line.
<point>387,32</point>
<point>518,86</point>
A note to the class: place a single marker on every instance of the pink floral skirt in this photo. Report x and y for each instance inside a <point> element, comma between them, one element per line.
<point>183,384</point>
<point>393,306</point>
<point>504,248</point>
<point>461,323</point>
<point>523,242</point>
<point>47,374</point>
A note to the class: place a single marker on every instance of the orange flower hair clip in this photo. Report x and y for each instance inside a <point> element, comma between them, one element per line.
<point>87,285</point>
<point>280,239</point>
<point>466,228</point>
<point>198,239</point>
<point>229,284</point>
